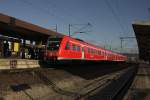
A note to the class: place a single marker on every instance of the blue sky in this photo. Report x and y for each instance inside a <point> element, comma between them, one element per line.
<point>110,19</point>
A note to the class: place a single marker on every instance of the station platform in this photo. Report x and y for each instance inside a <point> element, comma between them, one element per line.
<point>18,63</point>
<point>140,88</point>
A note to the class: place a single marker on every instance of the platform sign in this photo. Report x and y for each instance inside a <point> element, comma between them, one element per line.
<point>16,47</point>
<point>13,64</point>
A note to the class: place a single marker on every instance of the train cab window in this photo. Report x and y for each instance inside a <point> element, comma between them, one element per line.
<point>78,48</point>
<point>53,43</point>
<point>67,46</point>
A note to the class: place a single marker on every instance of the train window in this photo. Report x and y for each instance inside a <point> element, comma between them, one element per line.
<point>99,52</point>
<point>88,50</point>
<point>91,50</point>
<point>78,48</point>
<point>96,51</point>
<point>102,53</point>
<point>67,46</point>
<point>73,47</point>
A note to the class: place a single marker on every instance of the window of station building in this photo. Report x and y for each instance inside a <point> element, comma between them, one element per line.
<point>27,42</point>
<point>67,46</point>
<point>78,48</point>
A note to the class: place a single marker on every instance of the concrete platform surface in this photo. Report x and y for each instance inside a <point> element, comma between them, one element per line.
<point>140,88</point>
<point>18,63</point>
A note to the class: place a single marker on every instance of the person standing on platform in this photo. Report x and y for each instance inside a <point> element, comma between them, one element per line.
<point>6,49</point>
<point>1,48</point>
<point>23,53</point>
<point>31,51</point>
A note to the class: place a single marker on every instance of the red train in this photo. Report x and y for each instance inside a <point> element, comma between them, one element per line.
<point>67,48</point>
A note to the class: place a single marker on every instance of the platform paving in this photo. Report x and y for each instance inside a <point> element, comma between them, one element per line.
<point>140,88</point>
<point>18,63</point>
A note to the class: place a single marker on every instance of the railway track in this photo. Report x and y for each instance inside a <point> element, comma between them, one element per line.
<point>117,88</point>
<point>86,91</point>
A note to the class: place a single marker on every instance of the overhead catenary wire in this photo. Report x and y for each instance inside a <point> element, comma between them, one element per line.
<point>117,18</point>
<point>49,12</point>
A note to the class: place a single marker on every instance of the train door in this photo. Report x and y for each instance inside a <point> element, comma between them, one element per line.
<point>82,52</point>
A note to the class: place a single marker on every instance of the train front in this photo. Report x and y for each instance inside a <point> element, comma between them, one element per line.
<point>52,49</point>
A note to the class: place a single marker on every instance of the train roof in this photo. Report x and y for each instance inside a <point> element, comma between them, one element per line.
<point>94,45</point>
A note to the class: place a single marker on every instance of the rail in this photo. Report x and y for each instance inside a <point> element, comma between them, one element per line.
<point>116,88</point>
<point>98,83</point>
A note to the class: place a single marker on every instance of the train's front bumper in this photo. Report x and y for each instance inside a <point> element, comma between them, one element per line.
<point>51,55</point>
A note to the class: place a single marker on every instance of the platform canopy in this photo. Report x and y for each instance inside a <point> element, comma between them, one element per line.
<point>12,27</point>
<point>142,32</point>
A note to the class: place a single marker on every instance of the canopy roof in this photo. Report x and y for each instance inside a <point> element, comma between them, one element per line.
<point>13,27</point>
<point>142,32</point>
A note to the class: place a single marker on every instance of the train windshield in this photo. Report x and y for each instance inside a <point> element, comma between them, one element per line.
<point>53,43</point>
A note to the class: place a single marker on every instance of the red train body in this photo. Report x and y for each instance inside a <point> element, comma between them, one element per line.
<point>67,48</point>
